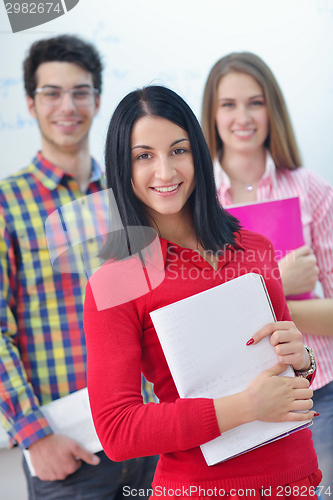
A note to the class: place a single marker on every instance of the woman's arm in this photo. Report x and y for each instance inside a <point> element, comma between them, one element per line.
<point>290,395</point>
<point>313,316</point>
<point>268,398</point>
<point>126,427</point>
<point>299,271</point>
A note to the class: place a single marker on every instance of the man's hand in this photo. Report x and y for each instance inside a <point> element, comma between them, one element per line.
<point>299,271</point>
<point>55,456</point>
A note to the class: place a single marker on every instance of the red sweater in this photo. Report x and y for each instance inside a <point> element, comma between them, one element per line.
<point>122,342</point>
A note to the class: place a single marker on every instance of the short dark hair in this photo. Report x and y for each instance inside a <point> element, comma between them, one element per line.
<point>214,227</point>
<point>63,48</point>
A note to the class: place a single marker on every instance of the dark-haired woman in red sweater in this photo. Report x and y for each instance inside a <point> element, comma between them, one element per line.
<point>159,169</point>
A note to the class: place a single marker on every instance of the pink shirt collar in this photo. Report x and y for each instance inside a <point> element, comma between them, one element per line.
<point>222,180</point>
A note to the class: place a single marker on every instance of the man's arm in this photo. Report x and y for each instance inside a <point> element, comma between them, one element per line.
<point>53,456</point>
<point>19,406</point>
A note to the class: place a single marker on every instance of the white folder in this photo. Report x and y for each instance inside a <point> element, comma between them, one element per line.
<point>204,337</point>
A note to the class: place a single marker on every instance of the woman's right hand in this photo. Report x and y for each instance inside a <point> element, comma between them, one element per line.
<point>267,398</point>
<point>279,399</point>
<point>299,271</point>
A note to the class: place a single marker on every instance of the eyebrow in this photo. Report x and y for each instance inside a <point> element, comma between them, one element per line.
<point>232,99</point>
<point>179,140</point>
<point>84,85</point>
<point>149,147</point>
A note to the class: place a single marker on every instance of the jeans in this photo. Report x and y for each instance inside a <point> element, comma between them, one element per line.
<point>322,435</point>
<point>104,481</point>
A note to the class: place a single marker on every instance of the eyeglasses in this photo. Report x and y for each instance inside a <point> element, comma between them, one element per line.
<point>53,96</point>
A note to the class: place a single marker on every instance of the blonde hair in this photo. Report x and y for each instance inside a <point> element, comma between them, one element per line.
<point>281,139</point>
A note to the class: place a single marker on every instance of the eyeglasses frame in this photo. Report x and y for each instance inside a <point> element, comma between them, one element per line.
<point>96,92</point>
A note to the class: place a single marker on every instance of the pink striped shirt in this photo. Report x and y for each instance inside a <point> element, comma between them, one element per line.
<point>316,201</point>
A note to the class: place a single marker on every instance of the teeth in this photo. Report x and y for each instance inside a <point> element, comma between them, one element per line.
<point>243,132</point>
<point>66,124</point>
<point>166,189</point>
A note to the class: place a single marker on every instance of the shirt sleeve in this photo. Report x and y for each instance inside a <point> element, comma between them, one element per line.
<point>286,314</point>
<point>321,199</point>
<point>21,416</point>
<point>126,427</point>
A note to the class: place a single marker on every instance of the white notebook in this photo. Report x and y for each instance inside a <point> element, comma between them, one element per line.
<point>204,337</point>
<point>71,417</point>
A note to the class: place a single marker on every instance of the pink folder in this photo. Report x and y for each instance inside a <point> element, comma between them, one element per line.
<point>278,220</point>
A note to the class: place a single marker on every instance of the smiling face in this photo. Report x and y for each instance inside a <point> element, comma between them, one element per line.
<point>162,166</point>
<point>241,116</point>
<point>65,127</point>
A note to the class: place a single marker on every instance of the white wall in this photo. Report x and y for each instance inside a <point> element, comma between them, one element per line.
<point>176,43</point>
<point>12,478</point>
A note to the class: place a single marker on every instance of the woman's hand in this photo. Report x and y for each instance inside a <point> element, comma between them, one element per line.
<point>270,398</point>
<point>299,271</point>
<point>288,345</point>
<point>279,399</point>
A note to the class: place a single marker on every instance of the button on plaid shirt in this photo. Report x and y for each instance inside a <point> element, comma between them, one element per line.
<point>42,346</point>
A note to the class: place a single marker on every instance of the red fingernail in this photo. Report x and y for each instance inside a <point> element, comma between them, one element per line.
<point>316,414</point>
<point>249,342</point>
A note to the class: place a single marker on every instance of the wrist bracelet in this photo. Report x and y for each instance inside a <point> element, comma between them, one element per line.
<point>313,366</point>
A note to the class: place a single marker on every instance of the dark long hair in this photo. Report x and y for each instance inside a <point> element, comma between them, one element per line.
<point>213,226</point>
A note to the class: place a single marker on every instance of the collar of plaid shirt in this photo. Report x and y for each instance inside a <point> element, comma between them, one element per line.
<point>50,175</point>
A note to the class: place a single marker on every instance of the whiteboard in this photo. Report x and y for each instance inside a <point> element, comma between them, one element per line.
<point>175,43</point>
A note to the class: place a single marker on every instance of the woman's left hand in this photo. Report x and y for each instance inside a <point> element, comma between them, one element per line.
<point>287,341</point>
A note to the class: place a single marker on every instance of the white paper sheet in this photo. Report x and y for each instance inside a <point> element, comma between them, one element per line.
<point>71,417</point>
<point>204,340</point>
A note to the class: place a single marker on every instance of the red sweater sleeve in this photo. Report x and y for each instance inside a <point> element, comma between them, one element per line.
<point>127,428</point>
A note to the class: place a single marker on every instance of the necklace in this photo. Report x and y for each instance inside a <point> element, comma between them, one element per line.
<point>249,188</point>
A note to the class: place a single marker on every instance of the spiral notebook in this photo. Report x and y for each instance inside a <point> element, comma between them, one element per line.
<point>204,337</point>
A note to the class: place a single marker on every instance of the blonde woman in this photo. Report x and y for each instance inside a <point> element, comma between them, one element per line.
<point>255,155</point>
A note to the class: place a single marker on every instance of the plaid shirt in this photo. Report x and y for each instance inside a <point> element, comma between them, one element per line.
<point>42,345</point>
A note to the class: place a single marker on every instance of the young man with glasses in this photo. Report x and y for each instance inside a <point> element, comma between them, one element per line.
<point>42,347</point>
